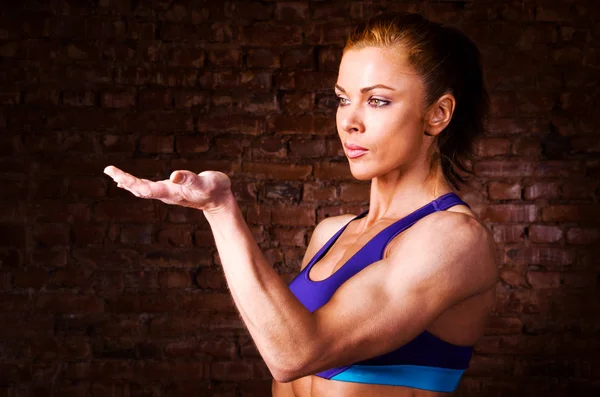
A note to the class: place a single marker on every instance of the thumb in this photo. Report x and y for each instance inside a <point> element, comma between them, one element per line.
<point>185,178</point>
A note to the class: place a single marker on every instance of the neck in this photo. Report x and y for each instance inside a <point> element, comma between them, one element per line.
<point>397,194</point>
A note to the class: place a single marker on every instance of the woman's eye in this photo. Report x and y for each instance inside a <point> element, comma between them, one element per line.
<point>342,101</point>
<point>378,103</point>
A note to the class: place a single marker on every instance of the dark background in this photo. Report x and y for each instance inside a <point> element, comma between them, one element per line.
<point>102,294</point>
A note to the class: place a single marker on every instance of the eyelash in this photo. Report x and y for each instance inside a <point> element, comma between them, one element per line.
<point>382,102</point>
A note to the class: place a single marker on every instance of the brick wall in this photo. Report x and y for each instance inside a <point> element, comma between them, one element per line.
<point>102,294</point>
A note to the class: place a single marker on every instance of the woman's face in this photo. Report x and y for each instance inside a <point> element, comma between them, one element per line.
<point>380,113</point>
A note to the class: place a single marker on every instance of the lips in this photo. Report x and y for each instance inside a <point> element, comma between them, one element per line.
<point>353,151</point>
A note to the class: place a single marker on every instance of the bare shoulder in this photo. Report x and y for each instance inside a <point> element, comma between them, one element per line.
<point>322,233</point>
<point>454,245</point>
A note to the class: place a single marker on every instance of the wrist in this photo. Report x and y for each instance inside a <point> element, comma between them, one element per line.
<point>224,203</point>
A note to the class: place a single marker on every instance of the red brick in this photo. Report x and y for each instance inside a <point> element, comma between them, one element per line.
<point>188,56</point>
<point>262,58</point>
<point>512,278</point>
<point>167,122</point>
<point>545,234</point>
<point>291,11</point>
<point>64,302</point>
<point>299,59</point>
<point>269,147</point>
<point>543,279</point>
<point>242,125</point>
<point>544,190</point>
<point>88,187</point>
<point>327,33</point>
<point>583,236</point>
<point>318,192</point>
<point>330,58</point>
<point>30,278</point>
<point>232,371</point>
<point>527,147</point>
<point>139,210</point>
<point>558,169</point>
<point>109,389</point>
<point>250,11</point>
<point>491,147</point>
<point>333,171</point>
<point>225,57</point>
<point>193,99</point>
<point>504,168</point>
<point>509,233</point>
<point>304,125</point>
<point>156,144</point>
<point>504,191</point>
<point>136,234</point>
<point>140,280</point>
<point>277,171</point>
<point>308,80</point>
<point>314,148</point>
<point>118,99</point>
<point>257,388</point>
<point>578,280</point>
<point>50,257</point>
<point>488,365</point>
<point>255,80</point>
<point>584,213</point>
<point>42,96</point>
<point>117,143</point>
<point>230,147</point>
<point>541,256</point>
<point>210,278</point>
<point>294,237</point>
<point>298,102</point>
<point>174,279</point>
<point>69,278</point>
<point>155,99</point>
<point>334,148</point>
<point>52,234</point>
<point>294,216</point>
<point>509,213</point>
<point>262,34</point>
<point>214,347</point>
<point>582,189</point>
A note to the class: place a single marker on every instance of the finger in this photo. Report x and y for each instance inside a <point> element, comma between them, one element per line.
<point>119,176</point>
<point>185,178</point>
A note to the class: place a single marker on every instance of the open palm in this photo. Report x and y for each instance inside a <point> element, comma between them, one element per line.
<point>201,191</point>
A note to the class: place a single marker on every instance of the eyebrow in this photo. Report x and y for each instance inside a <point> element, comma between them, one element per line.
<point>366,89</point>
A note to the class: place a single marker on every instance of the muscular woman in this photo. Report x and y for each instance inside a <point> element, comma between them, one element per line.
<point>389,302</point>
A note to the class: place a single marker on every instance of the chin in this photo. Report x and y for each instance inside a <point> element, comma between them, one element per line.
<point>362,175</point>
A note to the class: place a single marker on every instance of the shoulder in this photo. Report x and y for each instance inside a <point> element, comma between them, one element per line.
<point>322,233</point>
<point>329,226</point>
<point>453,245</point>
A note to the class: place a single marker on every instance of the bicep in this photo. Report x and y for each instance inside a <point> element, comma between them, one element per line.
<point>391,301</point>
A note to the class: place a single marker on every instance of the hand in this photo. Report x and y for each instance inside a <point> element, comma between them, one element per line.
<point>206,191</point>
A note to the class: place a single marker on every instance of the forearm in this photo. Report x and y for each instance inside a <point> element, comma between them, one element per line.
<point>282,328</point>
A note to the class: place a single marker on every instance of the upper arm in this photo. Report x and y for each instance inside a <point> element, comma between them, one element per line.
<point>443,261</point>
<point>322,233</point>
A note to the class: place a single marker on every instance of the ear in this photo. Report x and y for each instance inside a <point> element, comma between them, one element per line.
<point>439,115</point>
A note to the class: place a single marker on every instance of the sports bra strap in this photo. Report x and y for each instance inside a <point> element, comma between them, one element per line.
<point>383,238</point>
<point>442,203</point>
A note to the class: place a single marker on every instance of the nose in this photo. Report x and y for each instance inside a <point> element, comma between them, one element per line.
<point>350,119</point>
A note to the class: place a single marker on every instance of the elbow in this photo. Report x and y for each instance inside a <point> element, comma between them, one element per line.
<point>283,377</point>
<point>285,371</point>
